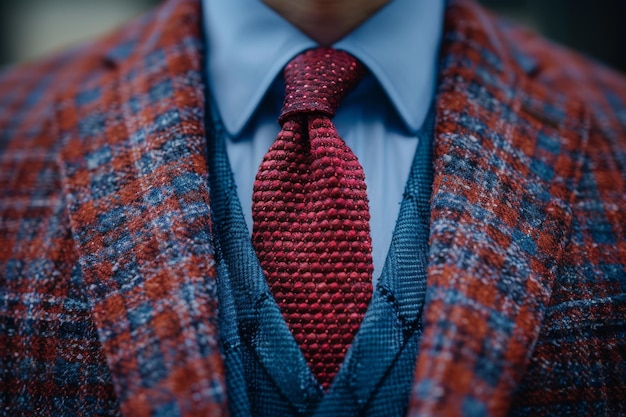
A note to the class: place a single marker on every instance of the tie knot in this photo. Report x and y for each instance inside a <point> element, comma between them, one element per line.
<point>318,79</point>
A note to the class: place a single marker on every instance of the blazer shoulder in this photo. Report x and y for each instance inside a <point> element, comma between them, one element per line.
<point>30,92</point>
<point>571,75</point>
<point>27,91</point>
<point>562,69</point>
<point>34,84</point>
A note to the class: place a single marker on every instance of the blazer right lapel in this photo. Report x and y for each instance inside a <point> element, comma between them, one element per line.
<point>507,158</point>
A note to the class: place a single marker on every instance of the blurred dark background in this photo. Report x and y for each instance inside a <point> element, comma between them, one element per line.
<point>31,28</point>
<point>594,27</point>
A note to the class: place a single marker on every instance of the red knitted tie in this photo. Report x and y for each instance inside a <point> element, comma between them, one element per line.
<point>311,216</point>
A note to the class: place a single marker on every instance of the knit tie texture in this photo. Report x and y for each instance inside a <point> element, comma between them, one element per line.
<point>311,215</point>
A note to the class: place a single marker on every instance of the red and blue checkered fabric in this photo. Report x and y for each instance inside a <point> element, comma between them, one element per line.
<point>108,298</point>
<point>311,216</point>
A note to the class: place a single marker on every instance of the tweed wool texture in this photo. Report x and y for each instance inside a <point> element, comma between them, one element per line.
<point>311,216</point>
<point>108,289</point>
<point>107,285</point>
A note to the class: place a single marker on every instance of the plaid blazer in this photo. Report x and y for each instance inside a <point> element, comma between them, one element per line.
<point>107,280</point>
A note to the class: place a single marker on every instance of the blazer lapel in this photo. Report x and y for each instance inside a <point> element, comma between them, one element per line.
<point>506,162</point>
<point>135,179</point>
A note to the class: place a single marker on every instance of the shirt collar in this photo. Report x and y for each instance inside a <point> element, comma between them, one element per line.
<point>248,45</point>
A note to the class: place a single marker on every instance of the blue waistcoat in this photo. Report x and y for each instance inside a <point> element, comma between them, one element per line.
<point>266,373</point>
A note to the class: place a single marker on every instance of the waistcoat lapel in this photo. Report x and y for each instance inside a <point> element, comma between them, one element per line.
<point>135,179</point>
<point>506,162</point>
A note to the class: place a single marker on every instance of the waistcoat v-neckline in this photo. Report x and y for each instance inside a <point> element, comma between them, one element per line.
<point>265,370</point>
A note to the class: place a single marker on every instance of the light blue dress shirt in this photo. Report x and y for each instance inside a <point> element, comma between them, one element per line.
<point>248,44</point>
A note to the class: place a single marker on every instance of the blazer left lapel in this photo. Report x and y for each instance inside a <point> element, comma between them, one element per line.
<point>506,162</point>
<point>135,178</point>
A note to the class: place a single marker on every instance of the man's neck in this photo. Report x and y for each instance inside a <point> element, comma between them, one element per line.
<point>326,21</point>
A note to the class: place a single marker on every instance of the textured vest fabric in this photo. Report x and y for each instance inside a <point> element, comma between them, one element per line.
<point>266,373</point>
